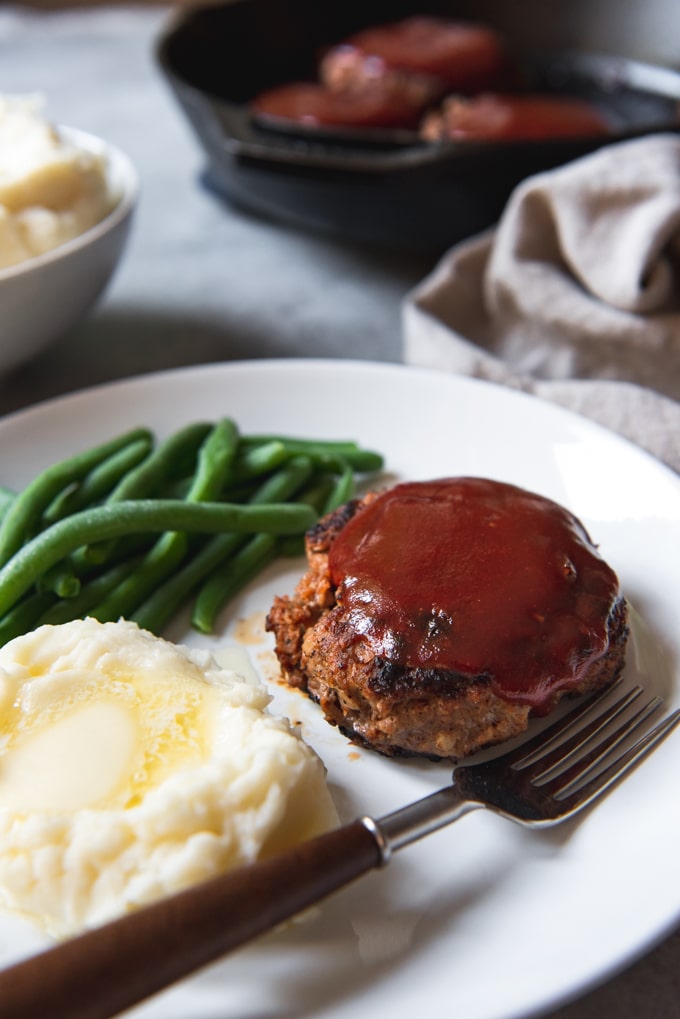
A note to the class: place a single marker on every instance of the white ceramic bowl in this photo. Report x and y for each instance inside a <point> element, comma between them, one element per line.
<point>42,298</point>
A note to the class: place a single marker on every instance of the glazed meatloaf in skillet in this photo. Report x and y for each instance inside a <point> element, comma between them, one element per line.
<point>436,618</point>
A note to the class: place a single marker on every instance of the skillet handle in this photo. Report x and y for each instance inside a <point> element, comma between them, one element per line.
<point>106,970</point>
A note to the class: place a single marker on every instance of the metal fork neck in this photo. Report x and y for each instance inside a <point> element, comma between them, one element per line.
<point>414,822</point>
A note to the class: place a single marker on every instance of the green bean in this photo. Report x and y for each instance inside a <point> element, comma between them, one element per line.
<point>284,483</point>
<point>244,491</point>
<point>146,479</point>
<point>338,447</point>
<point>64,579</point>
<point>23,616</point>
<point>7,497</point>
<point>343,489</point>
<point>100,481</point>
<point>158,563</point>
<point>325,497</point>
<point>205,479</point>
<point>218,446</point>
<point>228,579</point>
<point>96,554</point>
<point>223,586</point>
<point>292,547</point>
<point>214,459</point>
<point>87,558</point>
<point>362,460</point>
<point>114,520</point>
<point>89,595</point>
<point>163,463</point>
<point>177,489</point>
<point>258,461</point>
<point>24,514</point>
<point>160,607</point>
<point>60,580</point>
<point>317,496</point>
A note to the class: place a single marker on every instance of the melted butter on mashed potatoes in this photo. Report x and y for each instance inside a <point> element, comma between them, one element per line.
<point>131,767</point>
<point>50,189</point>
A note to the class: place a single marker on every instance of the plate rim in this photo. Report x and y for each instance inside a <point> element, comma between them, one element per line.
<point>157,377</point>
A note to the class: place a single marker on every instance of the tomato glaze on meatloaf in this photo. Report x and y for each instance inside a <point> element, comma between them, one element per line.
<point>436,618</point>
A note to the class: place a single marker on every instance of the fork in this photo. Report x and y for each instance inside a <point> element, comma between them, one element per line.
<point>542,782</point>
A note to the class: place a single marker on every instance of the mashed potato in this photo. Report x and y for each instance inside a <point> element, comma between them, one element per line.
<point>130,768</point>
<point>50,190</point>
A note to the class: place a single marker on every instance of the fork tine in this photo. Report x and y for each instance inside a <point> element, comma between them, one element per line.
<point>559,759</point>
<point>618,768</point>
<point>563,778</point>
<point>532,749</point>
<point>551,744</point>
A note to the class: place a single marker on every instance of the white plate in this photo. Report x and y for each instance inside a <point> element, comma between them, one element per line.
<point>484,920</point>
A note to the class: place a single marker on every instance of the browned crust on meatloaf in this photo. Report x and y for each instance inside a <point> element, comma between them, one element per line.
<point>391,708</point>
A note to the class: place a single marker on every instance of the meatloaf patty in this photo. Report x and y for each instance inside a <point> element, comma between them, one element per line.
<point>435,618</point>
<point>424,56</point>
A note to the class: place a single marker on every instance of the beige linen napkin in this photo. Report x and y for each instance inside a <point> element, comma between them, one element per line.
<point>575,296</point>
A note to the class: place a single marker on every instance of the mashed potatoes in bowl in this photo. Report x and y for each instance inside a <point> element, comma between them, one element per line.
<point>67,200</point>
<point>51,188</point>
<point>131,767</point>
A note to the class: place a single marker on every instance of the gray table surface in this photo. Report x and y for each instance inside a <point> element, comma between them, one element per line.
<point>190,289</point>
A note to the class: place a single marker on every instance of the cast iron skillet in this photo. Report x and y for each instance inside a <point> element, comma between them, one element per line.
<point>377,187</point>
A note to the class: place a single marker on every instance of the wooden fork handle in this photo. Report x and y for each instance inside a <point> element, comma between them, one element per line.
<point>104,971</point>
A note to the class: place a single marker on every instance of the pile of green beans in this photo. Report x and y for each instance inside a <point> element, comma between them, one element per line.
<point>136,528</point>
